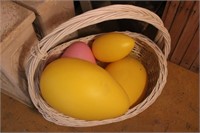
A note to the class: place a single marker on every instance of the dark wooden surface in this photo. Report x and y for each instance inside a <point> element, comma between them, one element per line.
<point>179,22</point>
<point>187,35</point>
<point>181,18</point>
<point>192,51</point>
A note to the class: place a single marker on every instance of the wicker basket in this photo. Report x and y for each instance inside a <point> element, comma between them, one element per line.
<point>145,50</point>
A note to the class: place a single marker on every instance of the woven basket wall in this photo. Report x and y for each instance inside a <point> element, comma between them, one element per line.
<point>145,50</point>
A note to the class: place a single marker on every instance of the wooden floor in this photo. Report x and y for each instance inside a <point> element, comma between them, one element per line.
<point>177,109</point>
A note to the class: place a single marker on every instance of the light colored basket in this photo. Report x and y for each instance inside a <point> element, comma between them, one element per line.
<point>145,50</point>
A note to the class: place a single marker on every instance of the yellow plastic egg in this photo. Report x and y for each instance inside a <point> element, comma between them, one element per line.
<point>131,75</point>
<point>82,90</point>
<point>112,46</point>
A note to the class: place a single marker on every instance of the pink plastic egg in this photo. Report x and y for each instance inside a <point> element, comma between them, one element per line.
<point>79,50</point>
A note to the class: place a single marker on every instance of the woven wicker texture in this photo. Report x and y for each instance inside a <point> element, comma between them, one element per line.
<point>145,50</point>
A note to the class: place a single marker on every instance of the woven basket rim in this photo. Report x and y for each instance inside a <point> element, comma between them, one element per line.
<point>40,52</point>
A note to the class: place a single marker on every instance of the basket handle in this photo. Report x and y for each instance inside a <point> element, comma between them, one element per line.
<point>98,15</point>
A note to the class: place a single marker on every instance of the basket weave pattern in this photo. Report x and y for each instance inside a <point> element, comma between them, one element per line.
<point>145,50</point>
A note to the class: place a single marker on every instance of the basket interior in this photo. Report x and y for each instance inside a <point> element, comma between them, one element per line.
<point>146,55</point>
<point>142,51</point>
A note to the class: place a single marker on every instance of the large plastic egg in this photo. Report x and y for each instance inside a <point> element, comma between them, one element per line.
<point>82,90</point>
<point>132,76</point>
<point>79,50</point>
<point>112,46</point>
